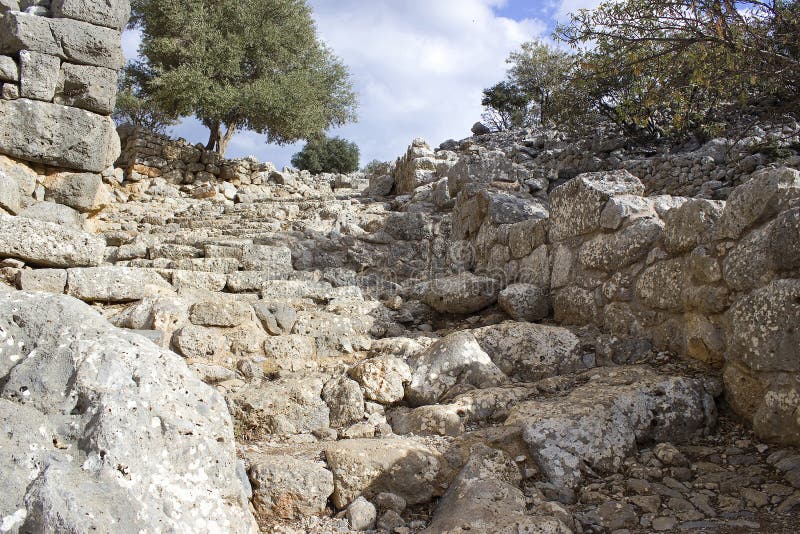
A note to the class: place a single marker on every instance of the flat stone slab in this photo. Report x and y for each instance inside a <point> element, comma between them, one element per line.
<point>115,284</point>
<point>48,244</point>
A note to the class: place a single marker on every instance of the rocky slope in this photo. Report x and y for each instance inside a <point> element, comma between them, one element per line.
<point>468,343</point>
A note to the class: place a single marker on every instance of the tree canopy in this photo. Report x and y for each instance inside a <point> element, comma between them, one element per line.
<point>242,64</point>
<point>663,68</point>
<point>327,154</point>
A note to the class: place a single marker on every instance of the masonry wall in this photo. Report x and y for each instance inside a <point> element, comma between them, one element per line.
<point>59,63</point>
<point>717,281</point>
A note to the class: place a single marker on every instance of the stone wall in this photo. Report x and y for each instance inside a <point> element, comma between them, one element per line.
<point>709,171</point>
<point>716,281</point>
<point>59,63</point>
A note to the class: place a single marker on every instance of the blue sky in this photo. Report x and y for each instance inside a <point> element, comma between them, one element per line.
<point>419,67</point>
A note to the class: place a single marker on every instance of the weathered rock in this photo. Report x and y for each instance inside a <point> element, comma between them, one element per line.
<point>282,407</point>
<point>612,252</point>
<point>112,14</point>
<point>530,352</point>
<point>225,312</point>
<point>383,378</point>
<point>48,280</point>
<point>661,285</point>
<point>767,193</point>
<point>381,186</point>
<point>135,409</point>
<point>59,214</point>
<point>84,192</point>
<point>275,260</point>
<point>90,88</point>
<point>290,346</point>
<point>114,284</point>
<point>9,71</point>
<point>691,224</point>
<point>575,305</point>
<point>456,359</point>
<point>289,488</point>
<point>576,207</point>
<point>71,40</point>
<point>367,467</point>
<point>461,294</point>
<point>362,514</point>
<point>38,75</point>
<point>9,194</point>
<point>48,244</point>
<point>525,302</point>
<point>345,402</point>
<point>199,343</point>
<point>435,420</point>
<point>598,424</point>
<point>57,135</point>
<point>484,497</point>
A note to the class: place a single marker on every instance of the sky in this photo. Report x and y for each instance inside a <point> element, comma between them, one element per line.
<point>418,66</point>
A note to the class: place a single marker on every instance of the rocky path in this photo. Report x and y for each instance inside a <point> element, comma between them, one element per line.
<point>375,384</point>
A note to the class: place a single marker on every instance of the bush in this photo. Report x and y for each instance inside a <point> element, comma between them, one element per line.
<point>327,154</point>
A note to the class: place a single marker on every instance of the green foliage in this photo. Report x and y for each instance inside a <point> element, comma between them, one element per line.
<point>243,64</point>
<point>327,154</point>
<point>506,105</point>
<point>377,168</point>
<point>669,67</point>
<point>532,93</point>
<point>133,106</point>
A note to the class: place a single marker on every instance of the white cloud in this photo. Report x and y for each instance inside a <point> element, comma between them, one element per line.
<point>569,6</point>
<point>419,67</point>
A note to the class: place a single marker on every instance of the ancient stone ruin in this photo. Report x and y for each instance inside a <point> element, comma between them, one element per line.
<point>516,332</point>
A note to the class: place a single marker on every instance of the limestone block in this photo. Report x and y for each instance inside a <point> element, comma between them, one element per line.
<point>84,192</point>
<point>109,13</point>
<point>115,284</point>
<point>576,206</point>
<point>90,88</point>
<point>57,135</point>
<point>71,40</point>
<point>38,75</point>
<point>9,71</point>
<point>48,244</point>
<point>48,280</point>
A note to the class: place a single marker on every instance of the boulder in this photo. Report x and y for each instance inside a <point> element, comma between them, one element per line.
<point>367,467</point>
<point>693,223</point>
<point>84,192</point>
<point>530,352</point>
<point>199,343</point>
<point>463,293</point>
<point>115,284</point>
<point>453,360</point>
<point>599,424</point>
<point>57,135</point>
<point>48,244</point>
<point>576,206</point>
<point>156,444</point>
<point>525,302</point>
<point>383,378</point>
<point>381,186</point>
<point>435,420</point>
<point>288,488</point>
<point>480,129</point>
<point>361,514</point>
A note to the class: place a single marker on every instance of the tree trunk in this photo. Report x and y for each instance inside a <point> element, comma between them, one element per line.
<point>213,138</point>
<point>224,140</point>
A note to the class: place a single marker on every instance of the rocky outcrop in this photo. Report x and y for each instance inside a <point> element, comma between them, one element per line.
<point>123,431</point>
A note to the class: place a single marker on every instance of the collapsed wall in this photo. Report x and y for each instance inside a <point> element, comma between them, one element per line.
<point>59,64</point>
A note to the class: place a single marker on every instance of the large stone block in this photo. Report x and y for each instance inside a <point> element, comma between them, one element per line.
<point>71,40</point>
<point>691,224</point>
<point>84,192</point>
<point>38,75</point>
<point>57,135</point>
<point>613,251</point>
<point>90,88</point>
<point>48,244</point>
<point>577,205</point>
<point>114,284</point>
<point>109,13</point>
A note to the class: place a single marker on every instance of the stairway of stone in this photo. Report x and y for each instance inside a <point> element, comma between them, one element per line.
<point>366,398</point>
